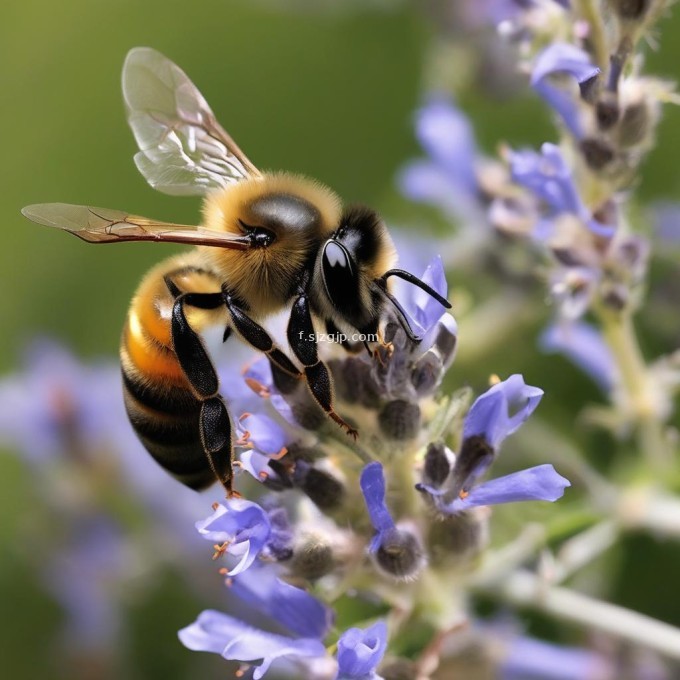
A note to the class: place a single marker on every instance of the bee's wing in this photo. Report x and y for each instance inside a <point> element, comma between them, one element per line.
<point>103,225</point>
<point>183,149</point>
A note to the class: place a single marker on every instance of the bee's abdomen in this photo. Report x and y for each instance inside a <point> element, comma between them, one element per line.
<point>161,406</point>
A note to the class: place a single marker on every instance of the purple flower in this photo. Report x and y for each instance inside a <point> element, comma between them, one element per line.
<point>264,440</point>
<point>666,222</point>
<point>540,483</point>
<point>448,179</point>
<point>549,178</point>
<point>304,618</point>
<point>245,530</point>
<point>235,640</point>
<point>501,410</point>
<point>585,347</point>
<point>360,652</point>
<point>396,550</point>
<point>62,411</point>
<point>531,659</point>
<point>372,483</point>
<point>428,318</point>
<point>563,58</point>
<point>573,289</point>
<point>261,433</point>
<point>293,608</point>
<point>423,310</point>
<point>495,415</point>
<point>258,376</point>
<point>85,575</point>
<point>57,404</point>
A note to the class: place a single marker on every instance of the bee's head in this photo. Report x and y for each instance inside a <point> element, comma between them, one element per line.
<point>286,218</point>
<point>349,263</point>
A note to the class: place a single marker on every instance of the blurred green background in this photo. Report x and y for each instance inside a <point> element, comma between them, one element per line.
<point>331,95</point>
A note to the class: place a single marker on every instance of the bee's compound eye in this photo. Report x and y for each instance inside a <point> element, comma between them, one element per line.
<point>338,274</point>
<point>335,256</point>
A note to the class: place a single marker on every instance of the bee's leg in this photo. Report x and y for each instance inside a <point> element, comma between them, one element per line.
<point>302,339</point>
<point>258,337</point>
<point>214,421</point>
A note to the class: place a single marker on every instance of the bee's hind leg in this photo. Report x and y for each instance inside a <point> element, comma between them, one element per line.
<point>214,422</point>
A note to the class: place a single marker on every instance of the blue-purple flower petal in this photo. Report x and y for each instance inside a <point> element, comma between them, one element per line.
<point>585,347</point>
<point>235,640</point>
<point>243,525</point>
<point>540,483</point>
<point>423,310</point>
<point>447,136</point>
<point>501,410</point>
<point>567,59</point>
<point>373,488</point>
<point>665,217</point>
<point>427,182</point>
<point>548,176</point>
<point>293,608</point>
<point>360,651</point>
<point>530,659</point>
<point>450,179</point>
<point>265,434</point>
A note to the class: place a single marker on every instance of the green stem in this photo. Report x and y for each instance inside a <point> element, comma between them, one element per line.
<point>524,589</point>
<point>589,10</point>
<point>640,400</point>
<point>401,476</point>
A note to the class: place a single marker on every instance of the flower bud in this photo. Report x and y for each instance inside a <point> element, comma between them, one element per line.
<point>615,296</point>
<point>400,554</point>
<point>607,111</point>
<point>324,490</point>
<point>426,373</point>
<point>354,383</point>
<point>631,10</point>
<point>634,125</point>
<point>597,153</point>
<point>313,558</point>
<point>458,538</point>
<point>399,420</point>
<point>438,464</point>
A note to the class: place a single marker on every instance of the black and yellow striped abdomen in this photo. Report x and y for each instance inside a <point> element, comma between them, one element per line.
<point>161,404</point>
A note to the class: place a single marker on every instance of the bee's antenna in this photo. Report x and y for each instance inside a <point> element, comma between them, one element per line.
<point>407,276</point>
<point>402,317</point>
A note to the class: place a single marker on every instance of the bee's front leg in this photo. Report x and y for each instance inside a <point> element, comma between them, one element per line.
<point>302,339</point>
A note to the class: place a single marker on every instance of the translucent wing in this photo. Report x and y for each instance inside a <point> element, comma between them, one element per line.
<point>183,149</point>
<point>103,225</point>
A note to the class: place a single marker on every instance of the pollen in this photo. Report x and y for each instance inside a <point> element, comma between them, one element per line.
<point>280,454</point>
<point>257,387</point>
<point>220,549</point>
<point>494,379</point>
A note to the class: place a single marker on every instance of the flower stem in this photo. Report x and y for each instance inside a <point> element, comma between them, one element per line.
<point>527,590</point>
<point>640,399</point>
<point>588,10</point>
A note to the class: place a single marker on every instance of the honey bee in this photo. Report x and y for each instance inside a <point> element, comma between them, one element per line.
<point>267,242</point>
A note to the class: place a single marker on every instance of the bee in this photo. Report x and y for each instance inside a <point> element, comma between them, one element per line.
<point>268,242</point>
